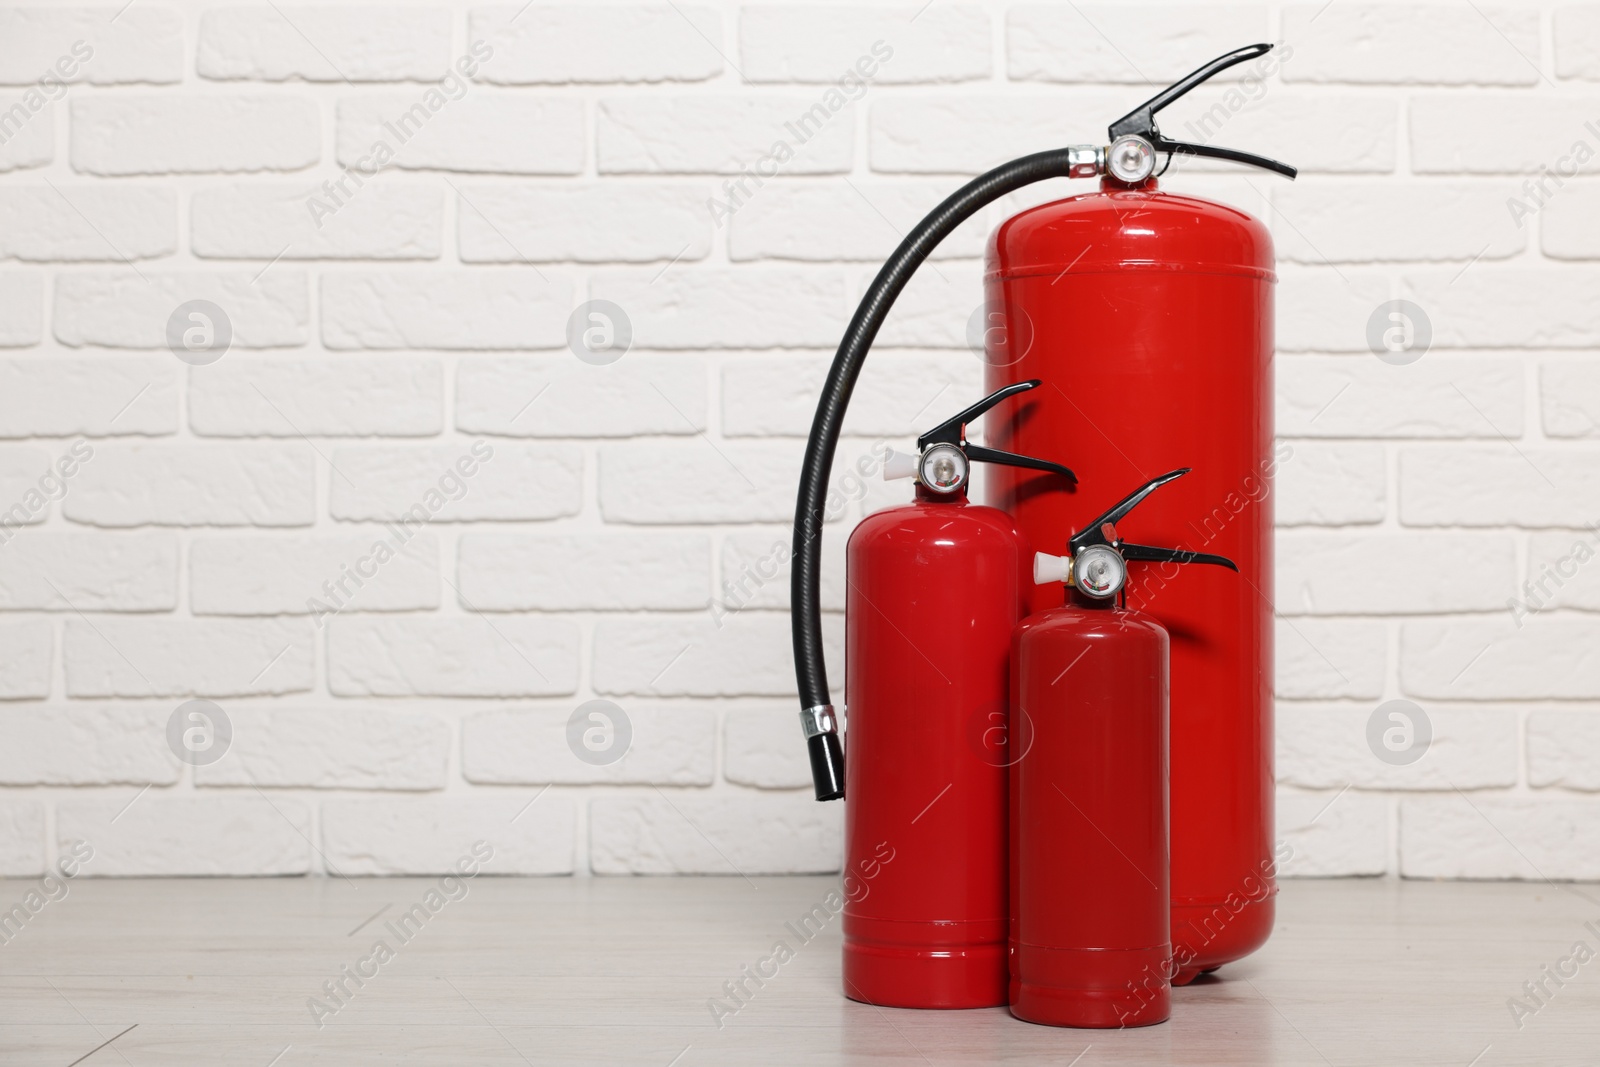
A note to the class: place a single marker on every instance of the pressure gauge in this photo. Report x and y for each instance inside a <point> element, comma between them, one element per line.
<point>943,468</point>
<point>1131,159</point>
<point>1099,571</point>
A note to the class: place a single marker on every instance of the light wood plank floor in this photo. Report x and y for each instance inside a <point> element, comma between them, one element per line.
<point>622,971</point>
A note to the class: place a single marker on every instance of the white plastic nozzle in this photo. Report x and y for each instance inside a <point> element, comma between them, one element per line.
<point>899,465</point>
<point>1048,568</point>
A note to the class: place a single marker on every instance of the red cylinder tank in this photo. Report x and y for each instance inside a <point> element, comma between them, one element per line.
<point>1089,887</point>
<point>1161,306</point>
<point>934,593</point>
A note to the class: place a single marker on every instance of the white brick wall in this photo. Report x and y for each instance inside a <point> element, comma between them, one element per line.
<point>399,210</point>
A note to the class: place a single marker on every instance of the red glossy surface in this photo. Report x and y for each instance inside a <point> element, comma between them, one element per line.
<point>1149,317</point>
<point>933,598</point>
<point>1090,895</point>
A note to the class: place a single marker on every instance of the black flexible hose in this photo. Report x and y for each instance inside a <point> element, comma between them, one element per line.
<point>827,756</point>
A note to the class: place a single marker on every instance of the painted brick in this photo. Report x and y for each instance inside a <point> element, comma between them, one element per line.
<point>730,834</point>
<point>1329,484</point>
<point>459,482</point>
<point>384,219</point>
<point>301,575</point>
<point>1564,749</point>
<point>65,570</point>
<point>1326,748</point>
<point>172,134</point>
<point>94,397</point>
<point>1567,223</point>
<point>1569,397</point>
<point>77,222</point>
<point>26,669</point>
<point>352,44</point>
<point>1073,43</point>
<point>29,481</point>
<point>969,133</point>
<point>745,654</point>
<point>120,309</point>
<point>144,44</point>
<point>559,396</point>
<point>759,749</point>
<point>22,833</point>
<point>462,131</point>
<point>745,308</point>
<point>1349,836</point>
<point>1559,574</point>
<point>1449,134</point>
<point>855,220</point>
<point>1326,309</point>
<point>1491,307</point>
<point>585,571</point>
<point>456,657</point>
<point>1360,397</point>
<point>1415,44</point>
<point>1500,659</point>
<point>553,44</point>
<point>1496,837</point>
<point>27,129</point>
<point>1331,135</point>
<point>724,135</point>
<point>445,309</point>
<point>854,46</point>
<point>675,746</point>
<point>218,836</point>
<point>896,396</point>
<point>337,748</point>
<point>754,570</point>
<point>935,310</point>
<point>1499,486</point>
<point>641,482</point>
<point>434,836</point>
<point>1344,223</point>
<point>86,746</point>
<point>195,485</point>
<point>1413,573</point>
<point>21,303</point>
<point>1327,659</point>
<point>187,657</point>
<point>631,222</point>
<point>1577,33</point>
<point>246,397</point>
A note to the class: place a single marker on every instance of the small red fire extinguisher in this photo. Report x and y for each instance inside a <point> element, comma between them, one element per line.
<point>935,589</point>
<point>1090,886</point>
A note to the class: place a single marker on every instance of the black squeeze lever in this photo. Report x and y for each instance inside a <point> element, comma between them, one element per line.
<point>953,433</point>
<point>1102,531</point>
<point>1141,121</point>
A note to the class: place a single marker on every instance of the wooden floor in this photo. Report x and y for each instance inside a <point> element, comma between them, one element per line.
<point>624,971</point>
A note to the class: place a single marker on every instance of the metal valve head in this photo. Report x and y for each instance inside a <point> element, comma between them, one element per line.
<point>1097,558</point>
<point>945,457</point>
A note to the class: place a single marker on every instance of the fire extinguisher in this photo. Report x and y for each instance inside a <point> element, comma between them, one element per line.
<point>935,589</point>
<point>1090,894</point>
<point>1163,297</point>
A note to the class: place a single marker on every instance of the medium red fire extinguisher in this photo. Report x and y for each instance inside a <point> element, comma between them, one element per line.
<point>1162,297</point>
<point>1090,893</point>
<point>935,588</point>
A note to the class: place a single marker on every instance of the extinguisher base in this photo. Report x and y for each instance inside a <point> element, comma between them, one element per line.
<point>1099,989</point>
<point>895,976</point>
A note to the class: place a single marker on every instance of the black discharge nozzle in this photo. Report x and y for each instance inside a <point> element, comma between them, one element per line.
<point>1141,121</point>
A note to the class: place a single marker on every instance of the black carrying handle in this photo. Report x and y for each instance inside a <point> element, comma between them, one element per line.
<point>1141,121</point>
<point>1095,532</point>
<point>953,431</point>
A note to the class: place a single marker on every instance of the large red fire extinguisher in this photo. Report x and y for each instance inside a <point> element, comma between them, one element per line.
<point>1161,299</point>
<point>1090,895</point>
<point>935,589</point>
